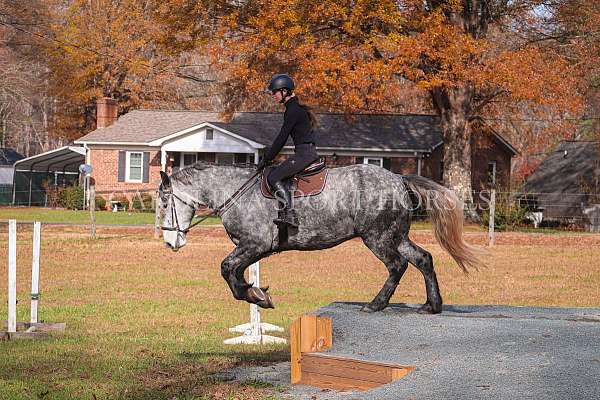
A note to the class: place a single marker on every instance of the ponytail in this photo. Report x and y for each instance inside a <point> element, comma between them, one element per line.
<point>311,115</point>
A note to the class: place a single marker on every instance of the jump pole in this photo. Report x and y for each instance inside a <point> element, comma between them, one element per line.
<point>35,271</point>
<point>12,276</point>
<point>253,332</point>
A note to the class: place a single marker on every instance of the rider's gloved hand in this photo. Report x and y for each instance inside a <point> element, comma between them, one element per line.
<point>262,164</point>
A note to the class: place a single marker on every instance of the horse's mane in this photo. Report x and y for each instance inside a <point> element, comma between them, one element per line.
<point>186,174</point>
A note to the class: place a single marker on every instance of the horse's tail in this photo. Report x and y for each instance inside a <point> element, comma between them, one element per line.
<point>446,212</point>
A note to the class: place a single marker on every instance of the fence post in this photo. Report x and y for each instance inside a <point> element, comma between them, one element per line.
<point>156,217</point>
<point>491,218</point>
<point>92,194</point>
<point>35,271</point>
<point>12,276</point>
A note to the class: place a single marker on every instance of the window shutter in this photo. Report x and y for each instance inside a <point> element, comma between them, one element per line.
<point>387,163</point>
<point>121,170</point>
<point>360,160</point>
<point>145,167</point>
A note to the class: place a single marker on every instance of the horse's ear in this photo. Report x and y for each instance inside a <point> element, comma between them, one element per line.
<point>165,180</point>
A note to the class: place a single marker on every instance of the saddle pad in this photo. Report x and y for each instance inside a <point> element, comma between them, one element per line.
<point>303,186</point>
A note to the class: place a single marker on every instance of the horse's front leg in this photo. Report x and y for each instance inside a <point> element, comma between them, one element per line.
<point>232,270</point>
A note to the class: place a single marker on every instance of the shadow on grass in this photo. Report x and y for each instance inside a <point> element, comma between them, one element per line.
<point>197,376</point>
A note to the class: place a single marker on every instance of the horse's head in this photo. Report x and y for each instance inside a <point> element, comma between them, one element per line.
<point>178,211</point>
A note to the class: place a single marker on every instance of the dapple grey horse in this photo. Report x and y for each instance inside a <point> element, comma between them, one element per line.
<point>363,201</point>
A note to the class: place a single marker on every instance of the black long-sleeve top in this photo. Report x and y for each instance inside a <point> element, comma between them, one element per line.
<point>296,122</point>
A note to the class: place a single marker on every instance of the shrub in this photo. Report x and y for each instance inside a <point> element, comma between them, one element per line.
<point>142,202</point>
<point>100,203</point>
<point>72,198</point>
<point>121,198</point>
<point>507,214</point>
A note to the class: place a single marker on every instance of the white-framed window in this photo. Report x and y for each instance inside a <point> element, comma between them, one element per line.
<point>374,161</point>
<point>209,134</point>
<point>492,172</point>
<point>133,166</point>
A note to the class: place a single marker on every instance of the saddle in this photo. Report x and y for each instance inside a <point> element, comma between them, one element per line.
<point>308,182</point>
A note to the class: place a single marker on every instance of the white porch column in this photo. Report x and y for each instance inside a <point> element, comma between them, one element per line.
<point>419,160</point>
<point>163,160</point>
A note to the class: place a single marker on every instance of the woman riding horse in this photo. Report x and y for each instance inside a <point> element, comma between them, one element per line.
<point>298,122</point>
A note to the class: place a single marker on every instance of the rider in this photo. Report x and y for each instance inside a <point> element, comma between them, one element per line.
<point>298,121</point>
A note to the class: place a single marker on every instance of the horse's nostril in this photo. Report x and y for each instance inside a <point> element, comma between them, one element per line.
<point>168,245</point>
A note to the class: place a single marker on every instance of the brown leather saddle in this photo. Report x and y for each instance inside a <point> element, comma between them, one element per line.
<point>309,182</point>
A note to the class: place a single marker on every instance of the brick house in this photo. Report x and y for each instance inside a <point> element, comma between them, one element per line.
<point>128,152</point>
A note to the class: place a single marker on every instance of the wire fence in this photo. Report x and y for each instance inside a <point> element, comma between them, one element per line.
<point>512,209</point>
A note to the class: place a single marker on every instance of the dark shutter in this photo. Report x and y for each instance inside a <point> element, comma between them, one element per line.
<point>360,160</point>
<point>145,167</point>
<point>387,163</point>
<point>121,170</point>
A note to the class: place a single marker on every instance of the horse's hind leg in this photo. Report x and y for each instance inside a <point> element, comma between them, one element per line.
<point>232,270</point>
<point>396,265</point>
<point>422,259</point>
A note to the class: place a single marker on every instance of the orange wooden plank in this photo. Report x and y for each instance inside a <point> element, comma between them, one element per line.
<point>385,364</point>
<point>296,371</point>
<point>308,333</point>
<point>346,369</point>
<point>336,382</point>
<point>324,333</point>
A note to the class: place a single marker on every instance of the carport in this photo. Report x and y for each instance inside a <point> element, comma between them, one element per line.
<point>55,167</point>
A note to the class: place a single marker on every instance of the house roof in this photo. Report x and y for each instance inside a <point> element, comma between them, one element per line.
<point>558,182</point>
<point>398,132</point>
<point>562,170</point>
<point>9,156</point>
<point>66,159</point>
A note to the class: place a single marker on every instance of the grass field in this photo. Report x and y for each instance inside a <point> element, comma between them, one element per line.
<point>146,323</point>
<point>28,214</point>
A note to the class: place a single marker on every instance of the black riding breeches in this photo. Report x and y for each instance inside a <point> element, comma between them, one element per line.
<point>305,154</point>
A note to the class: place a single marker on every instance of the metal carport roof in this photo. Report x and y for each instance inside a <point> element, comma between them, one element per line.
<point>64,159</point>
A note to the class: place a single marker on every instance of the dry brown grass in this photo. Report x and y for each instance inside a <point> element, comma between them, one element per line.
<point>144,322</point>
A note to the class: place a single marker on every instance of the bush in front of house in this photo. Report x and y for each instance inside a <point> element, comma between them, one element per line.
<point>142,202</point>
<point>71,198</point>
<point>121,198</point>
<point>100,203</point>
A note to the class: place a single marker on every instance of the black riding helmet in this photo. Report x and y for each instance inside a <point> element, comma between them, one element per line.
<point>281,81</point>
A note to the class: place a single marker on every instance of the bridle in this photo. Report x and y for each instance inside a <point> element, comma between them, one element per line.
<point>220,210</point>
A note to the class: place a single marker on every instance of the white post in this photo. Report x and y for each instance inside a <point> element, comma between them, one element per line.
<point>491,219</point>
<point>253,331</point>
<point>35,271</point>
<point>254,276</point>
<point>12,276</point>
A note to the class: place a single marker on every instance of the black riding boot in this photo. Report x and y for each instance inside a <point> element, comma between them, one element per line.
<point>286,215</point>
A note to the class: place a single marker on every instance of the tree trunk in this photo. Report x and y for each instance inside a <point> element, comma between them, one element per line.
<point>454,107</point>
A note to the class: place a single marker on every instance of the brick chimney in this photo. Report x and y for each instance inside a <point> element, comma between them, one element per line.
<point>107,111</point>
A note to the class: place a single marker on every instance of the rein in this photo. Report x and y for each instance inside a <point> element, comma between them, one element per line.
<point>220,210</point>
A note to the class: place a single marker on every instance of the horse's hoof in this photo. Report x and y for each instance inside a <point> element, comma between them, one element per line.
<point>259,297</point>
<point>428,309</point>
<point>371,307</point>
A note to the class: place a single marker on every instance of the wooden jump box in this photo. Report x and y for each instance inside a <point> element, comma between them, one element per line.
<point>310,335</point>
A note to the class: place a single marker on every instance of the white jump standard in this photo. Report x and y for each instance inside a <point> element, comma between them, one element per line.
<point>32,329</point>
<point>254,331</point>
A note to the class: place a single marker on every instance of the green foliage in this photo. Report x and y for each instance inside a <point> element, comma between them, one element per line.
<point>507,215</point>
<point>142,202</point>
<point>71,198</point>
<point>121,198</point>
<point>100,203</point>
